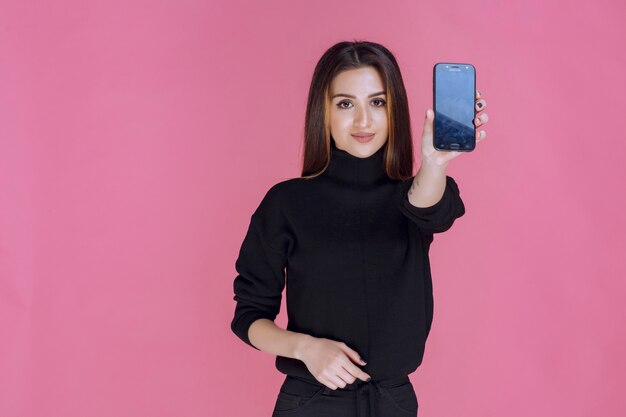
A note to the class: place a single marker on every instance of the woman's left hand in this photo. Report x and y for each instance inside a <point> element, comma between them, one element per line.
<point>436,157</point>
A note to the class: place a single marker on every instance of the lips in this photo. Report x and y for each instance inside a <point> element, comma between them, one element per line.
<point>363,137</point>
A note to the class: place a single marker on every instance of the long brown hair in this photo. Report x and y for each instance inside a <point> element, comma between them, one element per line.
<point>398,155</point>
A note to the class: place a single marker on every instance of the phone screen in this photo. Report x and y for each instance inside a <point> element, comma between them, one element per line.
<point>454,89</point>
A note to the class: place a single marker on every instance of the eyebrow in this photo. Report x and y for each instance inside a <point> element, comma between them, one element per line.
<point>348,95</point>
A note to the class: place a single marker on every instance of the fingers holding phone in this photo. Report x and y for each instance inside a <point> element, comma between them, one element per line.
<point>481,118</point>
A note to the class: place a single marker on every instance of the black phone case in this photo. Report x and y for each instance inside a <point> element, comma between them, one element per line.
<point>473,143</point>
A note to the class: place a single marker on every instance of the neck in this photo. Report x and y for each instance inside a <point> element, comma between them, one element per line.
<point>351,169</point>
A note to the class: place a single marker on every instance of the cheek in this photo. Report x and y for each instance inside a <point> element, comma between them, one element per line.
<point>381,117</point>
<point>381,120</point>
<point>340,121</point>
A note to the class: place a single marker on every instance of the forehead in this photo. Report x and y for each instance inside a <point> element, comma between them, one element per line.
<point>359,81</point>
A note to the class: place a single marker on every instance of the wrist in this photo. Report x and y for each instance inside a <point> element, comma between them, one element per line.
<point>432,166</point>
<point>303,341</point>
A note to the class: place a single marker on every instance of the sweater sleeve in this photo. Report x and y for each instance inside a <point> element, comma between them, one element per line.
<point>440,216</point>
<point>260,266</point>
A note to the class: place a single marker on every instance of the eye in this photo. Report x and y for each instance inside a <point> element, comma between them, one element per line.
<point>376,100</point>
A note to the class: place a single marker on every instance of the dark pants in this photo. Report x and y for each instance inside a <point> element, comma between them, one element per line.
<point>299,397</point>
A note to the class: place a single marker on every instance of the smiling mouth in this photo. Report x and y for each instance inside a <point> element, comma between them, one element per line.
<point>363,138</point>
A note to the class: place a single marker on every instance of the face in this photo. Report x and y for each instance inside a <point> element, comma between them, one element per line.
<point>358,106</point>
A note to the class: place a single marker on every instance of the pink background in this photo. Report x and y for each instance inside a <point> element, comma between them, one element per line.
<point>137,138</point>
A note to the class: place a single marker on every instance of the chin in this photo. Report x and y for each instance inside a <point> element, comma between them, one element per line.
<point>361,150</point>
<point>361,153</point>
<point>365,149</point>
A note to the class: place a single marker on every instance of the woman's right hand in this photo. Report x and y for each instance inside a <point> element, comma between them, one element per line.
<point>331,362</point>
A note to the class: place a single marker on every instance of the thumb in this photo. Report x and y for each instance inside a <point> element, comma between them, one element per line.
<point>428,122</point>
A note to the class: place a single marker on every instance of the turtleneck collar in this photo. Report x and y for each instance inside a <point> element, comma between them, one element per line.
<point>351,169</point>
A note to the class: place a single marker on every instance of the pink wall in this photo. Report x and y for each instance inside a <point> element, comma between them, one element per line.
<point>137,137</point>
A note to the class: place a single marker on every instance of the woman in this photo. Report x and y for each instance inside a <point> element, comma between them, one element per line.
<point>353,233</point>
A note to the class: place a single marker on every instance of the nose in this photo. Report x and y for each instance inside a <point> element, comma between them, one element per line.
<point>363,117</point>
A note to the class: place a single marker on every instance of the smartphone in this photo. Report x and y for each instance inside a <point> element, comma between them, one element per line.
<point>454,98</point>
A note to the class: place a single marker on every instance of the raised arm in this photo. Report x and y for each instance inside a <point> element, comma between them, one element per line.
<point>432,200</point>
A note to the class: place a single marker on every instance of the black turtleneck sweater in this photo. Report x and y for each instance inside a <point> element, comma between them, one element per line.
<point>353,252</point>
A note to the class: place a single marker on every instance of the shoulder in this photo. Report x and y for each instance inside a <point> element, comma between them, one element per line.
<point>271,218</point>
<point>285,189</point>
<point>279,195</point>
